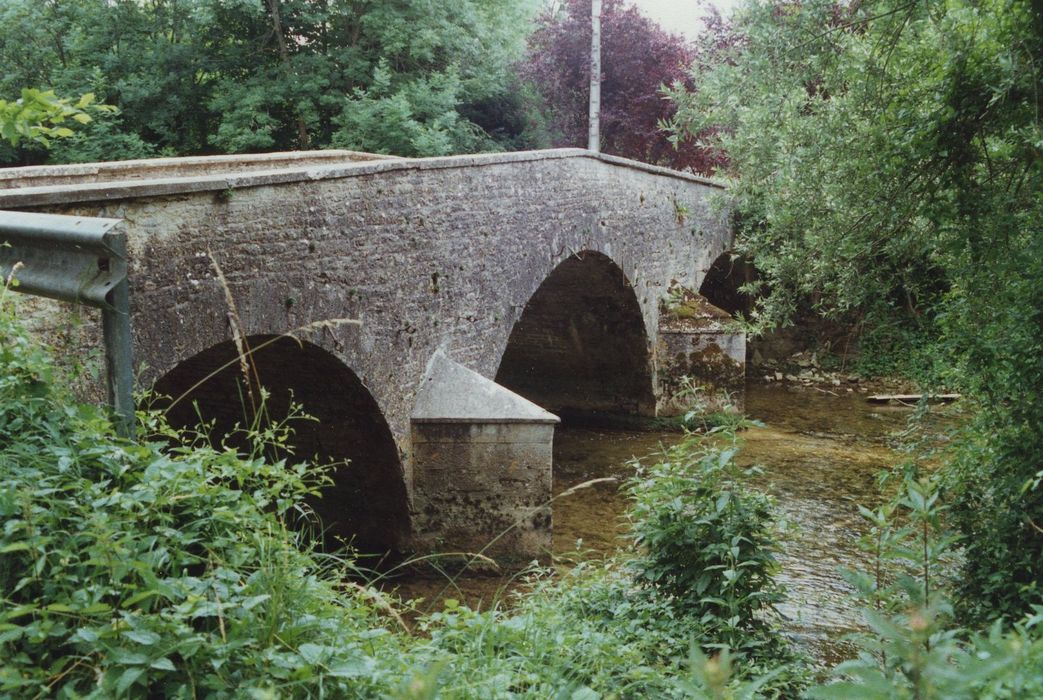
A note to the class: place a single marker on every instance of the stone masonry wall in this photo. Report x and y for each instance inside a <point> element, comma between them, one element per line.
<point>427,253</point>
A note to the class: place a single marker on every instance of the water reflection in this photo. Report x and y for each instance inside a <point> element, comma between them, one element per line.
<point>821,455</point>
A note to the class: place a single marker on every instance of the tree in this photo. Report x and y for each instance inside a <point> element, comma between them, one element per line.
<point>887,162</point>
<point>638,59</point>
<point>198,76</point>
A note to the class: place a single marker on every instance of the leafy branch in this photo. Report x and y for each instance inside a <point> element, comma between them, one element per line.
<point>39,116</point>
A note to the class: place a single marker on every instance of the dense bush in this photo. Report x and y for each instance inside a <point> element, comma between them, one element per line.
<point>887,165</point>
<point>707,544</point>
<point>130,565</point>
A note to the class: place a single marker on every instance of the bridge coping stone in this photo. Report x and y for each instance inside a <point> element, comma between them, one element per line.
<point>147,168</point>
<point>73,192</point>
<point>452,393</point>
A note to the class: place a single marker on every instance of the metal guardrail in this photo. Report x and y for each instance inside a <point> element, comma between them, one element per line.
<point>81,260</point>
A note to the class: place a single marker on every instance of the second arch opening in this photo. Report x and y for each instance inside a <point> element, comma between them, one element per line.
<point>580,348</point>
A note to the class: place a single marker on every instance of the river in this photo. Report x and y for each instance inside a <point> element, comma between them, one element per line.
<point>821,454</point>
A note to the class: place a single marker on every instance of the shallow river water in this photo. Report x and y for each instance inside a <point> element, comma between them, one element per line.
<point>820,453</point>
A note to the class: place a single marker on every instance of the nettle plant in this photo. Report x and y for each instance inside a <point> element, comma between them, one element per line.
<point>707,544</point>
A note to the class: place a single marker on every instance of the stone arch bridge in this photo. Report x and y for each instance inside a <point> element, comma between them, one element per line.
<point>493,292</point>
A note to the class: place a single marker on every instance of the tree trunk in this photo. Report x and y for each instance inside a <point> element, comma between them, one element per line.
<point>284,55</point>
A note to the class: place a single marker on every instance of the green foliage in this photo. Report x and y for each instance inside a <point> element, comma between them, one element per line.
<point>893,345</point>
<point>913,651</point>
<point>197,75</point>
<point>618,640</point>
<point>99,141</point>
<point>840,128</point>
<point>708,546</point>
<point>418,117</point>
<point>908,543</point>
<point>997,498</point>
<point>889,167</point>
<point>925,660</point>
<point>728,418</point>
<point>132,566</point>
<point>712,678</point>
<point>39,117</point>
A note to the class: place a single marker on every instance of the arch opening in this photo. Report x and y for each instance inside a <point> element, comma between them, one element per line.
<point>723,280</point>
<point>366,502</point>
<point>580,348</point>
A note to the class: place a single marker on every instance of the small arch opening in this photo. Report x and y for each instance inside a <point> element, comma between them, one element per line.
<point>366,503</point>
<point>580,348</point>
<point>723,282</point>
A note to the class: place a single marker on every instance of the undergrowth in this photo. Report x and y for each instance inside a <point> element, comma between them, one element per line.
<point>913,647</point>
<point>707,546</point>
<point>134,568</point>
<point>138,569</point>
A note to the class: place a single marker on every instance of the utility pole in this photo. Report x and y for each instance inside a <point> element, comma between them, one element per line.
<point>594,134</point>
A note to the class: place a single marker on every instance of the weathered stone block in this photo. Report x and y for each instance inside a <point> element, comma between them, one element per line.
<point>702,357</point>
<point>482,461</point>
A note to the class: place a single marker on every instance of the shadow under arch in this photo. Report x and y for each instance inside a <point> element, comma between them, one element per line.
<point>366,503</point>
<point>580,348</point>
<point>721,285</point>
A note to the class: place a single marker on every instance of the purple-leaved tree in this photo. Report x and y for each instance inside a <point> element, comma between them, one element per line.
<point>638,57</point>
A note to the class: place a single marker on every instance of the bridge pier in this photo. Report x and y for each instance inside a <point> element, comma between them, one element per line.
<point>701,356</point>
<point>482,467</point>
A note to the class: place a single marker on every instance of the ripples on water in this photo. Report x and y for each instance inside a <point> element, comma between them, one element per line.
<point>821,455</point>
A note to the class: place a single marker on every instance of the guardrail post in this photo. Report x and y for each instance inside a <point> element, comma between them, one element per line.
<point>115,323</point>
<point>80,260</point>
